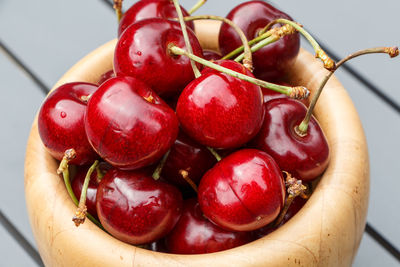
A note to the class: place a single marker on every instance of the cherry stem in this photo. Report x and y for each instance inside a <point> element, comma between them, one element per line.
<point>215,154</point>
<point>295,188</point>
<point>185,175</point>
<point>80,214</point>
<point>301,130</point>
<point>329,64</point>
<point>274,35</point>
<point>100,173</point>
<point>186,37</point>
<point>118,9</point>
<point>199,4</point>
<point>69,155</point>
<point>247,56</point>
<point>157,172</point>
<point>297,92</point>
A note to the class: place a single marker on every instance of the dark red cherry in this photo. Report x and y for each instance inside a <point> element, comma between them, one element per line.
<point>194,234</point>
<point>105,76</point>
<point>128,124</point>
<point>220,111</point>
<point>189,158</point>
<point>211,55</point>
<point>271,61</point>
<point>60,122</point>
<point>304,157</point>
<point>78,181</point>
<point>243,192</point>
<point>135,208</point>
<point>296,205</point>
<point>143,52</point>
<point>150,9</point>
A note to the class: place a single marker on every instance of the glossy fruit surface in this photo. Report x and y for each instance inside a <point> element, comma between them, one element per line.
<point>270,61</point>
<point>128,124</point>
<point>211,55</point>
<point>304,157</point>
<point>60,122</point>
<point>220,111</point>
<point>105,76</point>
<point>135,208</point>
<point>150,9</point>
<point>242,192</point>
<point>194,234</point>
<point>142,52</point>
<point>189,157</point>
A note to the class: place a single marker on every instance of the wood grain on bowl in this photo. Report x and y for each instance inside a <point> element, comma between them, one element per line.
<point>326,232</point>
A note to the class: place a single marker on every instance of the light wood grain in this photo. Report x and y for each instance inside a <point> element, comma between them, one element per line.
<point>326,232</point>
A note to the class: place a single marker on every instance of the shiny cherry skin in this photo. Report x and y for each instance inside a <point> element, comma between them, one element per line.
<point>303,157</point>
<point>211,55</point>
<point>242,192</point>
<point>60,122</point>
<point>105,76</point>
<point>270,62</point>
<point>142,52</point>
<point>150,9</point>
<point>77,184</point>
<point>220,111</point>
<point>128,124</point>
<point>194,234</point>
<point>188,156</point>
<point>293,209</point>
<point>135,208</point>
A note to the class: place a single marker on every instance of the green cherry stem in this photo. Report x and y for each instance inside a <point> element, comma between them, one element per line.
<point>215,154</point>
<point>301,130</point>
<point>297,92</point>
<point>118,9</point>
<point>157,172</point>
<point>81,212</point>
<point>329,64</point>
<point>274,35</point>
<point>247,56</point>
<point>186,37</point>
<point>199,4</point>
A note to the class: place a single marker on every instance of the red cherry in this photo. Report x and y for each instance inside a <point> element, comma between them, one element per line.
<point>220,111</point>
<point>135,208</point>
<point>60,122</point>
<point>270,61</point>
<point>143,52</point>
<point>304,157</point>
<point>128,124</point>
<point>211,55</point>
<point>150,9</point>
<point>78,181</point>
<point>105,76</point>
<point>296,205</point>
<point>243,192</point>
<point>190,157</point>
<point>194,234</point>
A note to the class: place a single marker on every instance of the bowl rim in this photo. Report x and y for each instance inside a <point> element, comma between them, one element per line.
<point>331,238</point>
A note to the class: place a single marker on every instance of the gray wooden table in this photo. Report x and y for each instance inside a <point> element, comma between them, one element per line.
<point>40,40</point>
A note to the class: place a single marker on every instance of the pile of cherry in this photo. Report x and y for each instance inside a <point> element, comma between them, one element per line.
<point>187,164</point>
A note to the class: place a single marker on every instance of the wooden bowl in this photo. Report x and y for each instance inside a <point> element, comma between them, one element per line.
<point>326,232</point>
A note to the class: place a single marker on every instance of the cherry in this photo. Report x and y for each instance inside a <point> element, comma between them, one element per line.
<point>296,205</point>
<point>135,208</point>
<point>143,52</point>
<point>150,9</point>
<point>270,61</point>
<point>128,124</point>
<point>221,111</point>
<point>105,76</point>
<point>77,184</point>
<point>305,157</point>
<point>60,122</point>
<point>187,158</point>
<point>242,192</point>
<point>194,234</point>
<point>211,55</point>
